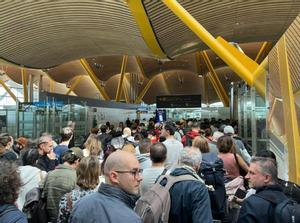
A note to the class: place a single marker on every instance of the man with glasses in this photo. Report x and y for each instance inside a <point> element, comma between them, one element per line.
<point>46,161</point>
<point>115,199</point>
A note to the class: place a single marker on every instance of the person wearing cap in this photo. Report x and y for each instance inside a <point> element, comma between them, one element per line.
<point>62,180</point>
<point>239,145</point>
<point>46,161</point>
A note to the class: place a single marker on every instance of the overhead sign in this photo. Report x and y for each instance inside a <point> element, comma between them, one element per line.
<point>178,101</point>
<point>25,106</point>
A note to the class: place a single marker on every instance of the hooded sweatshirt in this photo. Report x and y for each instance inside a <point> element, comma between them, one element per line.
<point>191,135</point>
<point>31,177</point>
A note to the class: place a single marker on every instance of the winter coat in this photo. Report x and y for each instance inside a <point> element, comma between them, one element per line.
<point>60,181</point>
<point>111,206</point>
<point>9,213</point>
<point>31,177</point>
<point>191,135</point>
<point>45,164</point>
<point>189,200</point>
<point>257,210</point>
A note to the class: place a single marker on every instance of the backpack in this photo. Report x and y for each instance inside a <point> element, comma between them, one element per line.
<point>286,210</point>
<point>35,206</point>
<point>213,174</point>
<point>188,140</point>
<point>291,190</point>
<point>246,145</point>
<point>154,205</point>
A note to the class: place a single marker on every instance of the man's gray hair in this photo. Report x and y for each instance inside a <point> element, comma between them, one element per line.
<point>267,166</point>
<point>44,138</point>
<point>190,156</point>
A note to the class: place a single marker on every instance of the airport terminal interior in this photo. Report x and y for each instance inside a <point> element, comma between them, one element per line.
<point>96,61</point>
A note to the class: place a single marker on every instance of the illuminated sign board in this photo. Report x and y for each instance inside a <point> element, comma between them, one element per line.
<point>178,101</point>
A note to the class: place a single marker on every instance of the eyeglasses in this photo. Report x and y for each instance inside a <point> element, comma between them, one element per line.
<point>134,172</point>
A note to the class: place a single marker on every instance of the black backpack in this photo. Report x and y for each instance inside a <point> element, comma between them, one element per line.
<point>35,206</point>
<point>213,174</point>
<point>287,210</point>
<point>188,140</point>
<point>291,190</point>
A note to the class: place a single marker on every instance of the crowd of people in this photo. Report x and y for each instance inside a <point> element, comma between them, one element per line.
<point>102,179</point>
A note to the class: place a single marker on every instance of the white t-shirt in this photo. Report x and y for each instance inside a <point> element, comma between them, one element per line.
<point>174,148</point>
<point>149,177</point>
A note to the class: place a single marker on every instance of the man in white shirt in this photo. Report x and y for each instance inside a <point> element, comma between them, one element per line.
<point>158,154</point>
<point>174,147</point>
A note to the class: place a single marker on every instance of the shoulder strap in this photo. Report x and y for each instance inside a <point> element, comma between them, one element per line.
<point>236,159</point>
<point>164,172</point>
<point>171,180</point>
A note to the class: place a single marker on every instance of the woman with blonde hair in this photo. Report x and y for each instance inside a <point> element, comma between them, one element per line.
<point>92,146</point>
<point>88,173</point>
<point>208,157</point>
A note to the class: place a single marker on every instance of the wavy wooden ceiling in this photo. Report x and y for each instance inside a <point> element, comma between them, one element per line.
<point>55,34</point>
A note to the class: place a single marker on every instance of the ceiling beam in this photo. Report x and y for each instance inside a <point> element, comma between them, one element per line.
<point>125,90</point>
<point>138,11</point>
<point>166,82</point>
<point>120,85</point>
<point>138,100</point>
<point>95,80</point>
<point>8,90</point>
<point>51,81</point>
<point>289,111</point>
<point>198,62</point>
<point>241,64</point>
<point>215,80</point>
<point>140,65</point>
<point>74,84</point>
<point>266,46</point>
<point>25,85</point>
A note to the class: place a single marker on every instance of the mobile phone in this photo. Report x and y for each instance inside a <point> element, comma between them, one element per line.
<point>240,193</point>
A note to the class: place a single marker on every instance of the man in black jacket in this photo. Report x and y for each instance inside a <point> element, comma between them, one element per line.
<point>262,176</point>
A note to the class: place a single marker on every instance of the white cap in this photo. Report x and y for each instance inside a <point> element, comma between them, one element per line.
<point>228,129</point>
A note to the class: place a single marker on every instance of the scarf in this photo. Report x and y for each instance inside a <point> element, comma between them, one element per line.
<point>116,192</point>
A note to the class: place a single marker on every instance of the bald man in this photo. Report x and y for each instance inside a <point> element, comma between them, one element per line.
<point>115,199</point>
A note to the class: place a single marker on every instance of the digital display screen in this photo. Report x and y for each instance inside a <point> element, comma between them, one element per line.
<point>178,101</point>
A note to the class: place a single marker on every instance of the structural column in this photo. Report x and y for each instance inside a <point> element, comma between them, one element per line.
<point>289,110</point>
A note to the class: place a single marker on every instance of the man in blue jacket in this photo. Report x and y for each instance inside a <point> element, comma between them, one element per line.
<point>115,199</point>
<point>189,199</point>
<point>262,176</point>
<point>10,184</point>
